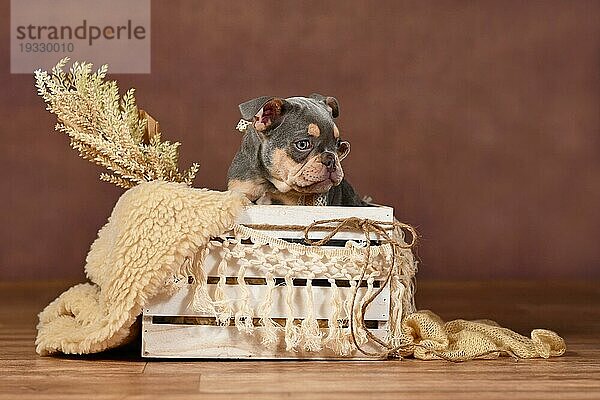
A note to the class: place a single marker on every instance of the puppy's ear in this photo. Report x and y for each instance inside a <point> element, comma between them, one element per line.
<point>249,108</point>
<point>331,103</point>
<point>343,150</point>
<point>263,111</point>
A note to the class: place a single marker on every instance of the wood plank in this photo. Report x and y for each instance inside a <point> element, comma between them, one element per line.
<point>199,341</point>
<point>570,308</point>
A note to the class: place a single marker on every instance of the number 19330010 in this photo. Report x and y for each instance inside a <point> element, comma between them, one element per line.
<point>47,47</point>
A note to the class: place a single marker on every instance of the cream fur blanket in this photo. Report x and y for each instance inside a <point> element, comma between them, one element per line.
<point>152,229</point>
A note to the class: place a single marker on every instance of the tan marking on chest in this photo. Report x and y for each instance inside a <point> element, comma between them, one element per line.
<point>313,130</point>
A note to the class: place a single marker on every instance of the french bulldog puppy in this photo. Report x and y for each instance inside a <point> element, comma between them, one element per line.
<point>291,153</point>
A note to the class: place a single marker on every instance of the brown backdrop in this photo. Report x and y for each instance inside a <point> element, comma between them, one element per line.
<point>478,121</point>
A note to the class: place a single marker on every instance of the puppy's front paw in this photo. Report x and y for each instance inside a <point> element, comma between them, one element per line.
<point>253,189</point>
<point>265,200</point>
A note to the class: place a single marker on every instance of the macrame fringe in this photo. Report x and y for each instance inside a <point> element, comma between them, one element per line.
<point>292,331</point>
<point>222,303</point>
<point>201,301</point>
<point>269,328</point>
<point>309,329</point>
<point>365,297</point>
<point>243,317</point>
<point>405,262</point>
<point>356,328</point>
<point>337,339</point>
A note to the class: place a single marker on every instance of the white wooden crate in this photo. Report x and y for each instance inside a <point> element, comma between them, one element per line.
<point>172,328</point>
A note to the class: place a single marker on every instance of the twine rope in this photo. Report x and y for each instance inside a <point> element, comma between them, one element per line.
<point>366,227</point>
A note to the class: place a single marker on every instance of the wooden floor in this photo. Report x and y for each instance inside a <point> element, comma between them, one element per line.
<point>570,309</point>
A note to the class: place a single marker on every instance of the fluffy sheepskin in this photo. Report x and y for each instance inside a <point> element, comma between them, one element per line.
<point>151,231</point>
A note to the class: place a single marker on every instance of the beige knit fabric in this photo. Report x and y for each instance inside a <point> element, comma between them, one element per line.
<point>426,337</point>
<point>153,228</point>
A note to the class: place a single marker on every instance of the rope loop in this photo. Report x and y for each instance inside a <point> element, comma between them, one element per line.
<point>364,225</point>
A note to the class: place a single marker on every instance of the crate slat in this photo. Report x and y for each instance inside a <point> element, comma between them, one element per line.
<point>200,341</point>
<point>306,215</point>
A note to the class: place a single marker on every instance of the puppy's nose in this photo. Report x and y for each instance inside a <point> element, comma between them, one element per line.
<point>328,160</point>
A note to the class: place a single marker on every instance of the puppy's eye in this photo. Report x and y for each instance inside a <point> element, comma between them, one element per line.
<point>303,145</point>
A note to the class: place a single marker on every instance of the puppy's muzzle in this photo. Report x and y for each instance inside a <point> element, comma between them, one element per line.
<point>329,161</point>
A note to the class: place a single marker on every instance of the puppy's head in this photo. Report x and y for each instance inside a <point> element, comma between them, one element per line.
<point>301,147</point>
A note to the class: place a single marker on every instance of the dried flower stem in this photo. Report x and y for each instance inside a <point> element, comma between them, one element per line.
<point>107,129</point>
